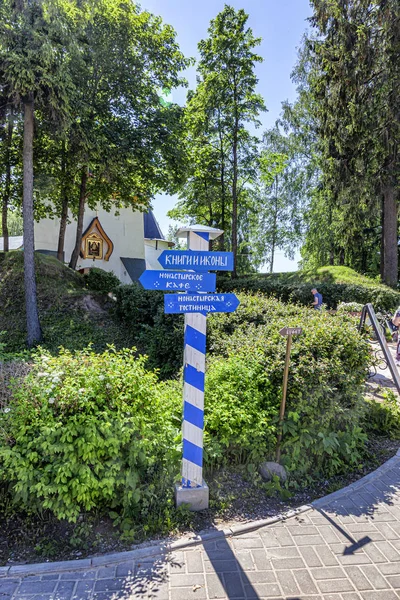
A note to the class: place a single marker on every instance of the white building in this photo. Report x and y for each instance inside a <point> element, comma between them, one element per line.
<point>126,243</point>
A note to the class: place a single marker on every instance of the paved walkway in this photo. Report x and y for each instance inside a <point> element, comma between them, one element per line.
<point>347,547</point>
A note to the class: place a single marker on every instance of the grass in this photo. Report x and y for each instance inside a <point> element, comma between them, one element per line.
<point>70,314</point>
<point>328,274</point>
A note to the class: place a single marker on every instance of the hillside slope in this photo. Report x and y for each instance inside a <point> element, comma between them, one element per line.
<point>70,314</point>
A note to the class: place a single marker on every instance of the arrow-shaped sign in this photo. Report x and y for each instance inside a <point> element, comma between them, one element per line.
<point>178,281</point>
<point>196,260</point>
<point>291,331</point>
<point>200,303</point>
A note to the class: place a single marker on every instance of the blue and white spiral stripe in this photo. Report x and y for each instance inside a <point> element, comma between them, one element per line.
<point>193,387</point>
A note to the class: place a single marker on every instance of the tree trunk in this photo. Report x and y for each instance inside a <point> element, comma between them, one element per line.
<point>81,213</point>
<point>64,206</point>
<point>234,198</point>
<point>341,257</point>
<point>222,180</point>
<point>382,263</point>
<point>274,224</point>
<point>32,318</point>
<point>390,239</point>
<point>7,185</point>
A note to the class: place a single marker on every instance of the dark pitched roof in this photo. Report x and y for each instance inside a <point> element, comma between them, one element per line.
<point>152,229</point>
<point>134,266</point>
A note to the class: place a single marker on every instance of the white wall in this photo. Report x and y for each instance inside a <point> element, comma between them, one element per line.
<point>125,230</point>
<point>153,249</point>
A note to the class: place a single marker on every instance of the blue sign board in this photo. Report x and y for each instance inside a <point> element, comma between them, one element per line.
<point>178,280</point>
<point>196,260</point>
<point>200,303</point>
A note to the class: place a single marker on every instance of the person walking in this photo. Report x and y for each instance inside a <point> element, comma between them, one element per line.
<point>317,299</point>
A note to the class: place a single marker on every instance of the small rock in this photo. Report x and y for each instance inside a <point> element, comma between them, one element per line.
<point>268,469</point>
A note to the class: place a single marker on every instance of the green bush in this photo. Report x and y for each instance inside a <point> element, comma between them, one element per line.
<point>329,363</point>
<point>349,307</point>
<point>382,297</point>
<point>101,281</point>
<point>383,418</point>
<point>88,431</point>
<point>158,335</point>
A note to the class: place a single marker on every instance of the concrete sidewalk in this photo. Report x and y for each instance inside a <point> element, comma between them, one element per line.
<point>346,547</point>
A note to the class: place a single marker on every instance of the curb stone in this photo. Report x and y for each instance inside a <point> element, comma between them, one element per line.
<point>164,547</point>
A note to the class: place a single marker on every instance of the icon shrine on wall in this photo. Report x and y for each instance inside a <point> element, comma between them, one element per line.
<point>96,244</point>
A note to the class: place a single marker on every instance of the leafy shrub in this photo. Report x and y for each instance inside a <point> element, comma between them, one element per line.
<point>101,281</point>
<point>329,362</point>
<point>159,335</point>
<point>383,418</point>
<point>382,297</point>
<point>88,431</point>
<point>349,307</point>
<point>239,411</point>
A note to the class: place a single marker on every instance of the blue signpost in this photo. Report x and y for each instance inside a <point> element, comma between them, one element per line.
<point>197,261</point>
<point>196,301</point>
<point>178,280</point>
<point>203,303</point>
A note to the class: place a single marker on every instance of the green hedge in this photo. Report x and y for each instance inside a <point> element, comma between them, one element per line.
<point>381,297</point>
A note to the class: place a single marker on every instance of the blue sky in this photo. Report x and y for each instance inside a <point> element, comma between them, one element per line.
<point>281,25</point>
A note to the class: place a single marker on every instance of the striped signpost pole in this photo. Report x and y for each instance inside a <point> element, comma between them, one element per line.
<point>193,490</point>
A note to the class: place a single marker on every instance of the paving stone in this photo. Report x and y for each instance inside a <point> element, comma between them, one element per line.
<point>105,572</point>
<point>64,590</point>
<point>287,552</point>
<point>305,583</point>
<point>330,534</point>
<point>390,568</point>
<point>310,540</point>
<point>194,562</point>
<point>215,587</point>
<point>247,543</point>
<point>380,595</point>
<point>358,578</point>
<point>260,560</point>
<point>125,569</point>
<point>328,573</point>
<point>245,560</point>
<point>394,581</point>
<point>287,563</point>
<point>261,577</point>
<point>374,576</point>
<point>233,585</point>
<point>335,585</point>
<point>262,590</point>
<point>220,566</point>
<point>387,550</point>
<point>310,557</point>
<point>8,587</point>
<point>188,594</point>
<point>186,580</point>
<point>107,585</point>
<point>288,583</point>
<point>295,530</point>
<point>37,587</point>
<point>83,590</point>
<point>77,575</point>
<point>50,577</point>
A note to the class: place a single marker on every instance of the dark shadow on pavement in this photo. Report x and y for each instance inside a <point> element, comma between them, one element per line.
<point>225,573</point>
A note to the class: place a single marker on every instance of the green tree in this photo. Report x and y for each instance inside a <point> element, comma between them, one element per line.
<point>35,43</point>
<point>355,82</point>
<point>219,112</point>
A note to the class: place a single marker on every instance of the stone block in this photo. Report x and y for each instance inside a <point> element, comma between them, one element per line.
<point>196,498</point>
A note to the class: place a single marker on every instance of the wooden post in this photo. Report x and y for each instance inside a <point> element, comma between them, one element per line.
<point>286,332</point>
<point>283,401</point>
